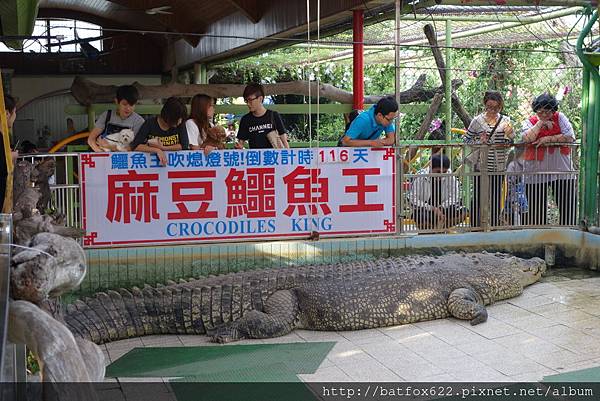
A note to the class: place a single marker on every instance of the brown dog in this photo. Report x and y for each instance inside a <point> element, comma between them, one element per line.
<point>215,137</point>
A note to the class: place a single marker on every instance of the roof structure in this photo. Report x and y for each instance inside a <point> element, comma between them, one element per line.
<point>472,27</point>
<point>216,31</point>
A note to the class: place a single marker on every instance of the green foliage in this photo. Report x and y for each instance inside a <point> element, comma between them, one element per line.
<point>520,73</point>
<point>33,367</point>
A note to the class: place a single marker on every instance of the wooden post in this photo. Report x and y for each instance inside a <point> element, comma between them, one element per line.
<point>447,84</point>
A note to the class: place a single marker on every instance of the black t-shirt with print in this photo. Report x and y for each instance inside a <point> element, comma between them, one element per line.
<point>255,129</point>
<point>150,129</point>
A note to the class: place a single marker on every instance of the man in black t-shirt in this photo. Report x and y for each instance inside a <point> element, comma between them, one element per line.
<point>164,132</point>
<point>256,125</point>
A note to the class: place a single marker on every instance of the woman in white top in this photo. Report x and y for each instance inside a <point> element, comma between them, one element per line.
<point>201,117</point>
<point>493,128</point>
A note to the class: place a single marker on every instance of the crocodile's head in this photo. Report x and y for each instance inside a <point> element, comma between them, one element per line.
<point>509,274</point>
<point>530,270</point>
<point>526,271</point>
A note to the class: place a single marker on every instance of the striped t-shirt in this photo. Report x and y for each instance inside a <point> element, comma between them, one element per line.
<point>496,160</point>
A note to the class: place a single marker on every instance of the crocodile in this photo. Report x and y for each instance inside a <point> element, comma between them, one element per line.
<point>273,302</point>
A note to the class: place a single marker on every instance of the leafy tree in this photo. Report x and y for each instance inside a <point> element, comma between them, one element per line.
<point>519,72</point>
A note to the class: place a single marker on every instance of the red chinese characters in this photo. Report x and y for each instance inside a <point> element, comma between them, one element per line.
<point>305,189</point>
<point>132,194</point>
<point>361,189</point>
<point>199,182</point>
<point>251,192</point>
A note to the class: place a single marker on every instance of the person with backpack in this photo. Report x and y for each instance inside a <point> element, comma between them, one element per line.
<point>113,121</point>
<point>366,128</point>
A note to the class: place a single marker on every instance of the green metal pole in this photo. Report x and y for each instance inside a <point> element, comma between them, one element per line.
<point>448,83</point>
<point>585,101</point>
<point>91,117</point>
<point>590,155</point>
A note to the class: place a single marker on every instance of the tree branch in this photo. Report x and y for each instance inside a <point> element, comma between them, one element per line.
<point>87,92</point>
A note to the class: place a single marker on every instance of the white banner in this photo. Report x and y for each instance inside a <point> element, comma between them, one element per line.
<point>129,199</point>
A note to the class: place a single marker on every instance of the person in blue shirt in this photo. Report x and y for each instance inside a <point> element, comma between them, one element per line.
<point>365,130</point>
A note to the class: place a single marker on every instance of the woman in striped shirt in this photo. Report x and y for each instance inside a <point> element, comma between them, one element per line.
<point>492,128</point>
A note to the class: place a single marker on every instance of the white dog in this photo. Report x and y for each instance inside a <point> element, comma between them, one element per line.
<point>120,139</point>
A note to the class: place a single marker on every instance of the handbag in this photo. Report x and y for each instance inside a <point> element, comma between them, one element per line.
<point>475,159</point>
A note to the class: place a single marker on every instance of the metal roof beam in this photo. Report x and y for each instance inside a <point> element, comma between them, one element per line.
<point>525,19</point>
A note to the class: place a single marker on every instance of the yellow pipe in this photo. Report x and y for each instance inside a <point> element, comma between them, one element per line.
<point>7,202</point>
<point>68,140</point>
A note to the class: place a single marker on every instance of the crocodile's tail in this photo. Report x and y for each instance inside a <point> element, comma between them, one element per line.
<point>121,314</point>
<point>186,307</point>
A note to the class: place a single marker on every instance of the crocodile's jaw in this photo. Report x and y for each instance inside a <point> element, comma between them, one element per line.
<point>531,270</point>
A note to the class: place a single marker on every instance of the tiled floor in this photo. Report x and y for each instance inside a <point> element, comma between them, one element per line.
<point>553,327</point>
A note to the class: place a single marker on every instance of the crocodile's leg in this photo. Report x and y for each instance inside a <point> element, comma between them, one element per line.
<point>278,318</point>
<point>463,303</point>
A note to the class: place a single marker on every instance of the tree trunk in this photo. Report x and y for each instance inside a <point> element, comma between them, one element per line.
<point>87,92</point>
<point>435,105</point>
<point>441,65</point>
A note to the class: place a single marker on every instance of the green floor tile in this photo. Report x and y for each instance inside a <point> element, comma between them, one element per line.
<point>590,375</point>
<point>197,361</point>
<point>277,372</point>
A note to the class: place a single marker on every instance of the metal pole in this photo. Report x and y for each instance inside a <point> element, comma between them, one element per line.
<point>399,154</point>
<point>200,75</point>
<point>448,82</point>
<point>585,104</point>
<point>91,118</point>
<point>358,59</point>
<point>590,155</point>
<point>484,191</point>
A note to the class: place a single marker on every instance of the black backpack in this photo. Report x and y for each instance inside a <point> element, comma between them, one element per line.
<point>353,114</point>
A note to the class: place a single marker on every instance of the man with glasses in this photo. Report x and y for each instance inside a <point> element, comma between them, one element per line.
<point>366,129</point>
<point>259,122</point>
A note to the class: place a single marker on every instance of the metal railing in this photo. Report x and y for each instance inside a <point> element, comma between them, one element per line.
<point>496,195</point>
<point>64,185</point>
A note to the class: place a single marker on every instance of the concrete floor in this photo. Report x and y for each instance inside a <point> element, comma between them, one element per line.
<point>553,327</point>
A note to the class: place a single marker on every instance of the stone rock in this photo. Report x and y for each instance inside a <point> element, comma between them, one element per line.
<point>51,266</point>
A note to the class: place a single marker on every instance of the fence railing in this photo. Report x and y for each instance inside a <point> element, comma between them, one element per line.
<point>492,191</point>
<point>64,185</point>
<point>483,188</point>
